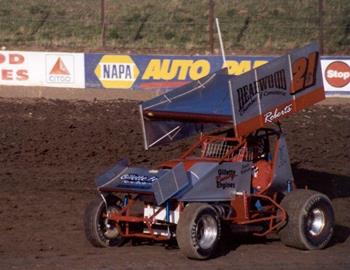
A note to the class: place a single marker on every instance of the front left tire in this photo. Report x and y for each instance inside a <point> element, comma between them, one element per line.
<point>99,230</point>
<point>198,231</point>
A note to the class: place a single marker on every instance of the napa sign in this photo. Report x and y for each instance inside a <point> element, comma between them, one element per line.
<point>116,71</point>
<point>142,72</point>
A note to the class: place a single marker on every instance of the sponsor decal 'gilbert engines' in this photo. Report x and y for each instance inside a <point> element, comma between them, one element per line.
<point>225,178</point>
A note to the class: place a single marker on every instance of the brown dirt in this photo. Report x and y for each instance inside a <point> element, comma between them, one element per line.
<point>51,150</point>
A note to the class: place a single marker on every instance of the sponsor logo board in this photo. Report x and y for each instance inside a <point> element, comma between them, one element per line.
<point>161,72</point>
<point>117,71</point>
<point>13,68</point>
<point>140,71</point>
<point>336,75</point>
<point>42,69</point>
<point>59,69</point>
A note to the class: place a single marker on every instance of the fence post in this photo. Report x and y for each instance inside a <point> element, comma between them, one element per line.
<point>211,26</point>
<point>320,24</point>
<point>103,24</point>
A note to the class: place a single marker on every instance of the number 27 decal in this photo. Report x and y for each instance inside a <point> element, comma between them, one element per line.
<point>304,72</point>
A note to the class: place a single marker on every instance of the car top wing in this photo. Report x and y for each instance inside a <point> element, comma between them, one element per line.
<point>247,102</point>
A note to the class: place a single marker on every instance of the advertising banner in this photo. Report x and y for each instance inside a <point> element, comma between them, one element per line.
<point>143,72</point>
<point>162,72</point>
<point>336,75</point>
<point>42,69</point>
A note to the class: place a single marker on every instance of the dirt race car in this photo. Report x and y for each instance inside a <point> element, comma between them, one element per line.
<point>238,178</point>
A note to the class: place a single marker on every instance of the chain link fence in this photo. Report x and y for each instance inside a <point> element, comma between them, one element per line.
<point>175,26</point>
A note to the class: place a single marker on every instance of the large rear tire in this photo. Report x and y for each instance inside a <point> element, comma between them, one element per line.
<point>198,231</point>
<point>310,220</point>
<point>100,231</point>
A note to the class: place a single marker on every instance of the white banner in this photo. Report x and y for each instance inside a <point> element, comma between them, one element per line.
<point>336,75</point>
<point>42,69</point>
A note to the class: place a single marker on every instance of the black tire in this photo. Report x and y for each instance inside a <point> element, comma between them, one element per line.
<point>99,231</point>
<point>310,220</point>
<point>198,231</point>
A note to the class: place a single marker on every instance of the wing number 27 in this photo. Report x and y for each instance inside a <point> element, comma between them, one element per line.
<point>304,72</point>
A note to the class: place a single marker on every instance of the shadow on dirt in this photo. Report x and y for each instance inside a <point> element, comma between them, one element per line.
<point>334,186</point>
<point>232,241</point>
<point>341,234</point>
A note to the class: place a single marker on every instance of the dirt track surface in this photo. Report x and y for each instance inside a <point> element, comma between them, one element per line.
<point>50,152</point>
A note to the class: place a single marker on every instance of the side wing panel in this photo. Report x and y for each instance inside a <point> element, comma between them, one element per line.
<point>272,91</point>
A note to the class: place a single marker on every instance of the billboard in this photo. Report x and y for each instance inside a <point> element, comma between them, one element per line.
<point>165,72</point>
<point>142,72</point>
<point>336,75</point>
<point>42,69</point>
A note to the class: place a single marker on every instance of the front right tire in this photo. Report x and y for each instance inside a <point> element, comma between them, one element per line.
<point>310,220</point>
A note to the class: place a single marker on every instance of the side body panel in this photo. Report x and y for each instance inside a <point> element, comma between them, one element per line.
<point>213,182</point>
